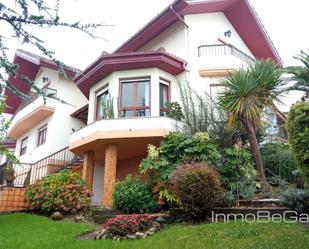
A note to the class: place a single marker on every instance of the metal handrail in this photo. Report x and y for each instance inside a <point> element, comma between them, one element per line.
<point>224,49</point>
<point>26,173</point>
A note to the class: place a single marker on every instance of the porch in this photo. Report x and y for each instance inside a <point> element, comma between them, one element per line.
<point>113,148</point>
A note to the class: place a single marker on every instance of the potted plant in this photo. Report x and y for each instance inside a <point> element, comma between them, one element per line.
<point>9,174</point>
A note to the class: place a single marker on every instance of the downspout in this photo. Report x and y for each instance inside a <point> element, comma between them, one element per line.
<point>179,17</point>
<point>186,36</point>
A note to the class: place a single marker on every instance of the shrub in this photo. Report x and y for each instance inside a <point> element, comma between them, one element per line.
<point>174,110</point>
<point>123,225</point>
<point>201,113</point>
<point>197,187</point>
<point>177,148</point>
<point>298,131</point>
<point>226,199</point>
<point>64,191</point>
<point>296,199</point>
<point>237,171</point>
<point>278,160</point>
<point>133,196</point>
<point>237,164</point>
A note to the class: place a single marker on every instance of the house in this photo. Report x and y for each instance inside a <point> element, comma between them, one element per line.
<point>41,127</point>
<point>190,41</point>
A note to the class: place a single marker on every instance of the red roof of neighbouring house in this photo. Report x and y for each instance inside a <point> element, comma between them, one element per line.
<point>239,12</point>
<point>29,65</point>
<point>106,64</point>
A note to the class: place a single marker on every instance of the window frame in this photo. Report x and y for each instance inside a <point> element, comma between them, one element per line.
<point>23,149</point>
<point>212,86</point>
<point>97,95</point>
<point>42,131</point>
<point>134,108</point>
<point>167,83</point>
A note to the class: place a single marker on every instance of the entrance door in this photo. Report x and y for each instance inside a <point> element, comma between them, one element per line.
<point>97,186</point>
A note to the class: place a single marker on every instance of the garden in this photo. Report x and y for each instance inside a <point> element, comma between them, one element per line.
<point>221,158</point>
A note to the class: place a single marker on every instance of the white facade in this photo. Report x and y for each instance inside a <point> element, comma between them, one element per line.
<point>59,125</point>
<point>203,29</point>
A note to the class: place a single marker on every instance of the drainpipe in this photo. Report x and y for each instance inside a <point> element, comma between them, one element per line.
<point>179,17</point>
<point>186,35</point>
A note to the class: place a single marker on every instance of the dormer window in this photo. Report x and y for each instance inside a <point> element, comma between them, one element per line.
<point>135,97</point>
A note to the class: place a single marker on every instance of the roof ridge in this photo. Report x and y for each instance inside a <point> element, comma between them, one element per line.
<point>42,58</point>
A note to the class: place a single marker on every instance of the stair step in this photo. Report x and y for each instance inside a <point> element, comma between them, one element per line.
<point>101,219</point>
<point>105,212</point>
<point>260,203</point>
<point>102,215</point>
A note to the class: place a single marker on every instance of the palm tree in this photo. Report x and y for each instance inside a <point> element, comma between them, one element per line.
<point>246,94</point>
<point>300,74</point>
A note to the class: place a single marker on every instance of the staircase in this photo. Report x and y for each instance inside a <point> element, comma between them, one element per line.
<point>12,198</point>
<point>26,173</point>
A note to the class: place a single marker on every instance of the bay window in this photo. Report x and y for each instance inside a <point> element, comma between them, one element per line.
<point>135,97</point>
<point>164,96</point>
<point>101,97</point>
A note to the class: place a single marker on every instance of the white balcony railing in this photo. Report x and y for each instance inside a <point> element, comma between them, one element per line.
<point>222,57</point>
<point>224,50</point>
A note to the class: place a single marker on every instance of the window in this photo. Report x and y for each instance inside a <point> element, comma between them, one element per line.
<point>135,97</point>
<point>42,135</point>
<point>101,98</point>
<point>214,92</point>
<point>23,146</point>
<point>215,89</point>
<point>164,96</point>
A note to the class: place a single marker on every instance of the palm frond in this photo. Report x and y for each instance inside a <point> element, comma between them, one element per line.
<point>248,91</point>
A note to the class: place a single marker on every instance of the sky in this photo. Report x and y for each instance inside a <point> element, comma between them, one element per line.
<point>285,21</point>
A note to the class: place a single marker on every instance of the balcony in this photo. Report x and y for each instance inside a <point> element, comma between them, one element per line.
<point>30,113</point>
<point>132,135</point>
<point>218,60</point>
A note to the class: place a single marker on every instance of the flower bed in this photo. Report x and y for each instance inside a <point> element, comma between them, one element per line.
<point>128,227</point>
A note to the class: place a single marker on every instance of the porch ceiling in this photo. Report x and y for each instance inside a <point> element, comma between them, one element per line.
<point>126,147</point>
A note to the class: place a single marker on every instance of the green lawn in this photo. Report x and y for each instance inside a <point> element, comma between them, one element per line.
<point>24,231</point>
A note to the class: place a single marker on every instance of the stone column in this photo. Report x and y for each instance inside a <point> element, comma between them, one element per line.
<point>88,167</point>
<point>109,174</point>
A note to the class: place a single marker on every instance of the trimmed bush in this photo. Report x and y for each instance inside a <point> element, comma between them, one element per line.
<point>197,187</point>
<point>123,225</point>
<point>298,131</point>
<point>64,191</point>
<point>134,196</point>
<point>278,160</point>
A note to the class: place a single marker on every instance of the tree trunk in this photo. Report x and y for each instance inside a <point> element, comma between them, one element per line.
<point>255,150</point>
